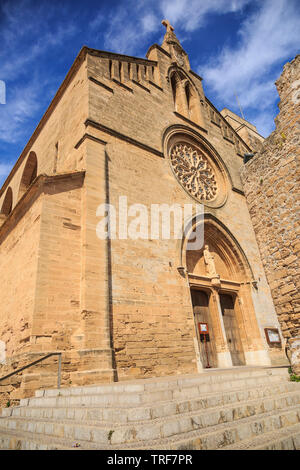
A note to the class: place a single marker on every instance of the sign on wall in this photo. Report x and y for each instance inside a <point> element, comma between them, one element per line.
<point>273,336</point>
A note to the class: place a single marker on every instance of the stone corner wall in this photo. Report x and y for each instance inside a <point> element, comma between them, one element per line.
<point>271,185</point>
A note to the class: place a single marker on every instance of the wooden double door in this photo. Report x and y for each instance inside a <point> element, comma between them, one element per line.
<point>227,302</point>
<point>208,354</point>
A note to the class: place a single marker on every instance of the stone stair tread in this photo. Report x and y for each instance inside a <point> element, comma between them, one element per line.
<point>165,443</point>
<point>292,385</point>
<point>57,443</point>
<point>170,417</point>
<point>178,439</point>
<point>146,397</point>
<point>253,386</point>
<point>282,394</point>
<point>235,409</point>
<point>180,384</point>
<point>269,438</point>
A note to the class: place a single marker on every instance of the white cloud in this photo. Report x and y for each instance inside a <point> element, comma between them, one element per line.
<point>128,33</point>
<point>149,23</point>
<point>4,169</point>
<point>259,92</point>
<point>18,49</point>
<point>25,40</point>
<point>15,114</point>
<point>191,14</point>
<point>263,122</point>
<point>268,37</point>
<point>97,21</point>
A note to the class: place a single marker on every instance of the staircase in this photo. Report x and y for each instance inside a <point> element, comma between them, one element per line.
<point>240,408</point>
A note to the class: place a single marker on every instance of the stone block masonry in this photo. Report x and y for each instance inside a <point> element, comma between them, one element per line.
<point>271,185</point>
<point>121,309</point>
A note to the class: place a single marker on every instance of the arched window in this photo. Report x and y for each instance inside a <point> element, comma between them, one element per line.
<point>173,85</point>
<point>178,90</point>
<point>186,98</point>
<point>7,203</point>
<point>29,174</point>
<point>193,104</point>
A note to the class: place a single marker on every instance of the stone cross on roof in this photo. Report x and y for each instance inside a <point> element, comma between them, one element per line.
<point>169,28</point>
<point>170,36</point>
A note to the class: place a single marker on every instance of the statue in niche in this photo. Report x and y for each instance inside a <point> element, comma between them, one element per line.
<point>209,260</point>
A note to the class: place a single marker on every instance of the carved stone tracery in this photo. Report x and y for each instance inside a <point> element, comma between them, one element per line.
<point>194,172</point>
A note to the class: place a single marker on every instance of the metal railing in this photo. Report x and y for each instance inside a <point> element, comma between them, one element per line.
<point>36,362</point>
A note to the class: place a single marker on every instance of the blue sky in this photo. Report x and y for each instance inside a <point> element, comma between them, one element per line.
<point>237,46</point>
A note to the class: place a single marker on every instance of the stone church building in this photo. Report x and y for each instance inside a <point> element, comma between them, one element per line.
<point>119,308</point>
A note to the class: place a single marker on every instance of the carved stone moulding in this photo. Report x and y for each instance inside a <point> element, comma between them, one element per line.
<point>197,168</point>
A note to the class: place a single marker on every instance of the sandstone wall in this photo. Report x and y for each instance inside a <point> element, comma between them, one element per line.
<point>142,111</point>
<point>271,185</point>
<point>152,316</point>
<point>151,308</point>
<point>118,307</point>
<point>18,274</point>
<point>55,143</point>
<point>56,313</point>
<point>40,290</point>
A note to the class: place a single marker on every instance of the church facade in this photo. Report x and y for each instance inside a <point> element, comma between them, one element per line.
<point>122,128</point>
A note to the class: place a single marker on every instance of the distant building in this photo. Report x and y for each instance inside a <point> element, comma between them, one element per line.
<point>245,129</point>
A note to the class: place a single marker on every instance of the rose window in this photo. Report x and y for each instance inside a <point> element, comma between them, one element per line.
<point>194,172</point>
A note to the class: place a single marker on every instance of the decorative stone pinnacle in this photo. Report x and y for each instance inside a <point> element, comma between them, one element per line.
<point>170,37</point>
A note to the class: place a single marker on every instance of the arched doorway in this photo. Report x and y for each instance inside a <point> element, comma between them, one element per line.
<point>221,280</point>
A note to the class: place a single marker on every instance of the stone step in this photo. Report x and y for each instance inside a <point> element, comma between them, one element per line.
<point>159,428</point>
<point>286,438</point>
<point>291,442</point>
<point>268,430</point>
<point>228,435</point>
<point>159,410</point>
<point>135,398</point>
<point>29,441</point>
<point>254,407</point>
<point>169,383</point>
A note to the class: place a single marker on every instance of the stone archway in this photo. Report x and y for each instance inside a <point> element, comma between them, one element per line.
<point>220,273</point>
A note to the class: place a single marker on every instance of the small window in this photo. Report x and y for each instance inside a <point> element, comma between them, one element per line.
<point>7,203</point>
<point>29,174</point>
